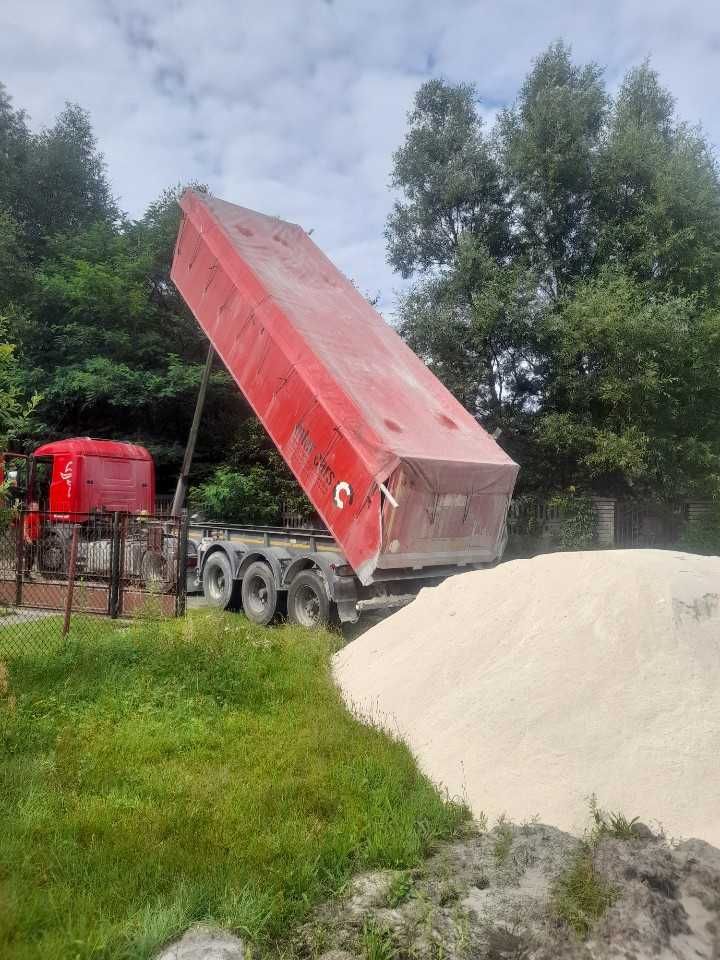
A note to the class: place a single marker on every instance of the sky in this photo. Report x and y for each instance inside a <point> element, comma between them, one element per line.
<point>294,107</point>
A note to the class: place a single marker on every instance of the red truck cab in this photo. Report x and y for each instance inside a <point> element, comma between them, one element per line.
<point>83,476</point>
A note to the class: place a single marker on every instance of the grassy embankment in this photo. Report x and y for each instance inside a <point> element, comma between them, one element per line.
<point>204,770</point>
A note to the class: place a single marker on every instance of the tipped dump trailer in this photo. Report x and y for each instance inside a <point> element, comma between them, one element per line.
<point>408,484</point>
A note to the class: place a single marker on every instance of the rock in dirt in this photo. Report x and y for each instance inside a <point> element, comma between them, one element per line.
<point>528,687</point>
<point>204,943</point>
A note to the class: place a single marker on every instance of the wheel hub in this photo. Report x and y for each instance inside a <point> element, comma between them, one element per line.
<point>217,585</point>
<point>308,607</point>
<point>259,593</point>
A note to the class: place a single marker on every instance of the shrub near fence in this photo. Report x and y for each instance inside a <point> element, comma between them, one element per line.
<point>544,524</point>
<point>60,574</point>
<point>572,521</point>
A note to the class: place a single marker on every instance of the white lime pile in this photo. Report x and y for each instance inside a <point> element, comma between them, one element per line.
<point>528,687</point>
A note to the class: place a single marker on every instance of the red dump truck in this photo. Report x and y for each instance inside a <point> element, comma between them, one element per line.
<point>409,486</point>
<point>76,481</point>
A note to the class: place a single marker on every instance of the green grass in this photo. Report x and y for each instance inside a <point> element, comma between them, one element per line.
<point>503,841</point>
<point>614,825</point>
<point>581,896</point>
<point>200,770</point>
<point>377,942</point>
<point>399,890</point>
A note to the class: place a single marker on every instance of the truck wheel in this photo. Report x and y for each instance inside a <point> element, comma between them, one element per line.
<point>259,593</point>
<point>53,552</point>
<point>154,567</point>
<point>308,602</point>
<point>220,589</point>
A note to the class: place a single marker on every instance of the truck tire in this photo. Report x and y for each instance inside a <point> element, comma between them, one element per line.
<point>154,568</point>
<point>54,551</point>
<point>259,593</point>
<point>220,589</point>
<point>308,602</point>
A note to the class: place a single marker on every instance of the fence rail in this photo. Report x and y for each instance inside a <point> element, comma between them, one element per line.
<point>56,567</point>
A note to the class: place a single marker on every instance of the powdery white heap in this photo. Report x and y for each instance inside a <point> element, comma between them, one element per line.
<point>527,687</point>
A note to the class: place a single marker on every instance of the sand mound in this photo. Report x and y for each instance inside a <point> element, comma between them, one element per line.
<point>532,685</point>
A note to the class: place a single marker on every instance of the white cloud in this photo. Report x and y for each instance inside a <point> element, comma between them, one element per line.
<point>294,107</point>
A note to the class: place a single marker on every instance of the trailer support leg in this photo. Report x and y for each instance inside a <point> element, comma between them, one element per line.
<point>182,484</point>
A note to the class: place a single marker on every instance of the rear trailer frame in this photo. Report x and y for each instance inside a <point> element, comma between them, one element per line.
<point>227,554</point>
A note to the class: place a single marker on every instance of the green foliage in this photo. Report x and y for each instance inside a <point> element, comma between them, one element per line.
<point>566,282</point>
<point>399,889</point>
<point>548,139</point>
<point>198,770</point>
<point>100,331</point>
<point>102,338</point>
<point>631,397</point>
<point>238,497</point>
<point>65,182</point>
<point>580,896</point>
<point>575,531</point>
<point>377,942</point>
<point>254,487</point>
<point>613,825</point>
<point>16,411</point>
<point>503,841</point>
<point>450,180</point>
<point>578,520</point>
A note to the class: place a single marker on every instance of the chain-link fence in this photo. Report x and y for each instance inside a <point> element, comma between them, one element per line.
<point>63,574</point>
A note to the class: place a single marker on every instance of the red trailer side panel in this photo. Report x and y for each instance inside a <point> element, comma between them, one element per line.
<point>346,402</point>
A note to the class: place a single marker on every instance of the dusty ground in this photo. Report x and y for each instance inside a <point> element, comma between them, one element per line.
<point>489,896</point>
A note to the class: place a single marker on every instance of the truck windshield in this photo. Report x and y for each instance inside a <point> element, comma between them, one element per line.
<point>13,478</point>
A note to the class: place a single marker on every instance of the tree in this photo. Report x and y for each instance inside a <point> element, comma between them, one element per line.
<point>548,141</point>
<point>14,146</point>
<point>475,326</point>
<point>96,324</point>
<point>15,410</point>
<point>450,180</point>
<point>657,194</point>
<point>632,397</point>
<point>112,348</point>
<point>66,187</point>
<point>565,272</point>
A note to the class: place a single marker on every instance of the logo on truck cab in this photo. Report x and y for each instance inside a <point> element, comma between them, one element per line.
<point>67,475</point>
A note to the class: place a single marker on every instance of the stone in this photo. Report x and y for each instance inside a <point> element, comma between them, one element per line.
<point>204,943</point>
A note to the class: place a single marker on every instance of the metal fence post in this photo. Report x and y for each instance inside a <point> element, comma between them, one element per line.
<point>181,588</point>
<point>71,580</point>
<point>114,591</point>
<point>19,557</point>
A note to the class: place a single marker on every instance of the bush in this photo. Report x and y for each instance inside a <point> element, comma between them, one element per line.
<point>575,531</point>
<point>578,520</point>
<point>254,486</point>
<point>238,497</point>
